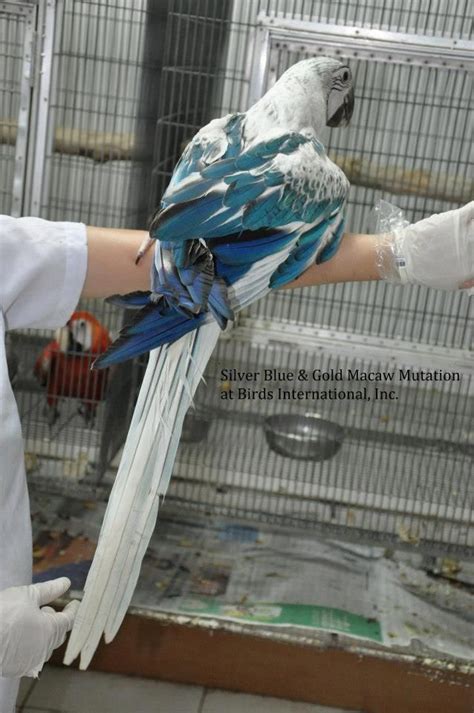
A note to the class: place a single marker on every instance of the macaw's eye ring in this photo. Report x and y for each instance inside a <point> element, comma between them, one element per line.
<point>345,76</point>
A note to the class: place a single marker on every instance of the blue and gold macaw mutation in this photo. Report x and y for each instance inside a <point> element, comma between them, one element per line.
<point>253,201</point>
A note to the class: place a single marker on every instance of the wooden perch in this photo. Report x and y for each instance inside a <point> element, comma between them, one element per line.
<point>100,146</point>
<point>97,145</point>
<point>404,181</point>
<point>8,132</point>
<point>108,146</point>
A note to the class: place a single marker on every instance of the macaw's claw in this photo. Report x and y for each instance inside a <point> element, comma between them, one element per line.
<point>145,245</point>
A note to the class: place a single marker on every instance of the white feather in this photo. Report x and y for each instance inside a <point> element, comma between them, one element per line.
<point>171,378</point>
<point>170,381</point>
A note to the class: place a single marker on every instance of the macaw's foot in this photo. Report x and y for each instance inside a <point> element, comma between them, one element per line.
<point>183,275</point>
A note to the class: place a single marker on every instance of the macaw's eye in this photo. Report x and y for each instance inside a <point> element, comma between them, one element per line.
<point>345,76</point>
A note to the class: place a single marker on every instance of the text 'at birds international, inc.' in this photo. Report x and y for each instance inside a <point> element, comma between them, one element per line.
<point>349,384</point>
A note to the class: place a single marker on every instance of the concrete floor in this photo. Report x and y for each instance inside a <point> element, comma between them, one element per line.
<point>69,691</point>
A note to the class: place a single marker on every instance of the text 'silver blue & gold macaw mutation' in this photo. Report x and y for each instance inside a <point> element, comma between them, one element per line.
<point>252,203</point>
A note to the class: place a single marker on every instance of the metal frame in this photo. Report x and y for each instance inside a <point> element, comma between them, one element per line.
<point>300,36</point>
<point>35,88</point>
<point>40,111</point>
<point>316,339</point>
<point>29,12</point>
<point>357,42</point>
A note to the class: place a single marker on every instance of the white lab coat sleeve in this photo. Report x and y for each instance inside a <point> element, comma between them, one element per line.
<point>42,271</point>
<point>43,267</point>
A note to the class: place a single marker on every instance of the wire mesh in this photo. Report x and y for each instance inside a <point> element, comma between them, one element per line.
<point>411,122</point>
<point>97,170</point>
<point>428,17</point>
<point>106,77</point>
<point>74,419</point>
<point>131,84</point>
<point>402,473</point>
<point>12,38</point>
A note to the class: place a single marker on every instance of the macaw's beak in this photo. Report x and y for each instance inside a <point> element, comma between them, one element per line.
<point>343,115</point>
<point>73,346</point>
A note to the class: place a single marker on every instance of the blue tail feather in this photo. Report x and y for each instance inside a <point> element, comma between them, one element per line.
<point>134,300</point>
<point>313,236</point>
<point>231,273</point>
<point>152,327</point>
<point>292,268</point>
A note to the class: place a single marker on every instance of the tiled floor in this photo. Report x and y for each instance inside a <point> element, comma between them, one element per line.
<point>68,691</point>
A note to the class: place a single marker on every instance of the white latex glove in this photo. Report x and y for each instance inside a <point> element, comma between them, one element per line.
<point>435,252</point>
<point>28,633</point>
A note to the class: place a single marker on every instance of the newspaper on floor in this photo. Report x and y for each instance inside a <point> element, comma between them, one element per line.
<point>254,574</point>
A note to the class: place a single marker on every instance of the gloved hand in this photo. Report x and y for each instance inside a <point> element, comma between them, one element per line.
<point>435,252</point>
<point>28,633</point>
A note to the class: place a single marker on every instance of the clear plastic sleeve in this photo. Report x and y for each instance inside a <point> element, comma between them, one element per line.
<point>388,219</point>
<point>435,252</point>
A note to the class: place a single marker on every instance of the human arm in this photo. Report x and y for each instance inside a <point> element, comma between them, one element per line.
<point>47,266</point>
<point>99,262</point>
<point>355,260</point>
<point>436,252</point>
<point>29,630</point>
<point>111,267</point>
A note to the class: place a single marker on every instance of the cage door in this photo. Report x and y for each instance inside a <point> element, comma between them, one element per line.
<point>17,39</point>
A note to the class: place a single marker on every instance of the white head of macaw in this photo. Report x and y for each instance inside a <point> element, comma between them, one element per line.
<point>313,93</point>
<point>76,336</point>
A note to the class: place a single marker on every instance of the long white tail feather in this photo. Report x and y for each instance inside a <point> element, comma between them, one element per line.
<point>188,382</point>
<point>170,381</point>
<point>130,486</point>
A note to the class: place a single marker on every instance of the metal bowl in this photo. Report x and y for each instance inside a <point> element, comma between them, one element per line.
<point>308,437</point>
<point>195,428</point>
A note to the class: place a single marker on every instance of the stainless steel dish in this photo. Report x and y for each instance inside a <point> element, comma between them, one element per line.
<point>307,437</point>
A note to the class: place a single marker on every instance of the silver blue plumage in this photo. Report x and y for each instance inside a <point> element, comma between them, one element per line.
<point>248,186</point>
<point>253,201</point>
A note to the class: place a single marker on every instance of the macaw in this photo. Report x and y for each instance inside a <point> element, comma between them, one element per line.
<point>64,365</point>
<point>252,203</point>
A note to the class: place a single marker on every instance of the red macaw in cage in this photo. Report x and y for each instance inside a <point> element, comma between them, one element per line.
<point>64,365</point>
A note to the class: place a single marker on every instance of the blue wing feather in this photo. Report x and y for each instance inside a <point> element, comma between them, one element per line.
<point>332,247</point>
<point>250,246</point>
<point>245,206</point>
<point>154,326</point>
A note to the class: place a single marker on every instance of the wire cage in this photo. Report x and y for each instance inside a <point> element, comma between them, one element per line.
<point>128,85</point>
<point>401,475</point>
<point>400,470</point>
<point>409,144</point>
<point>81,82</point>
<point>17,21</point>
